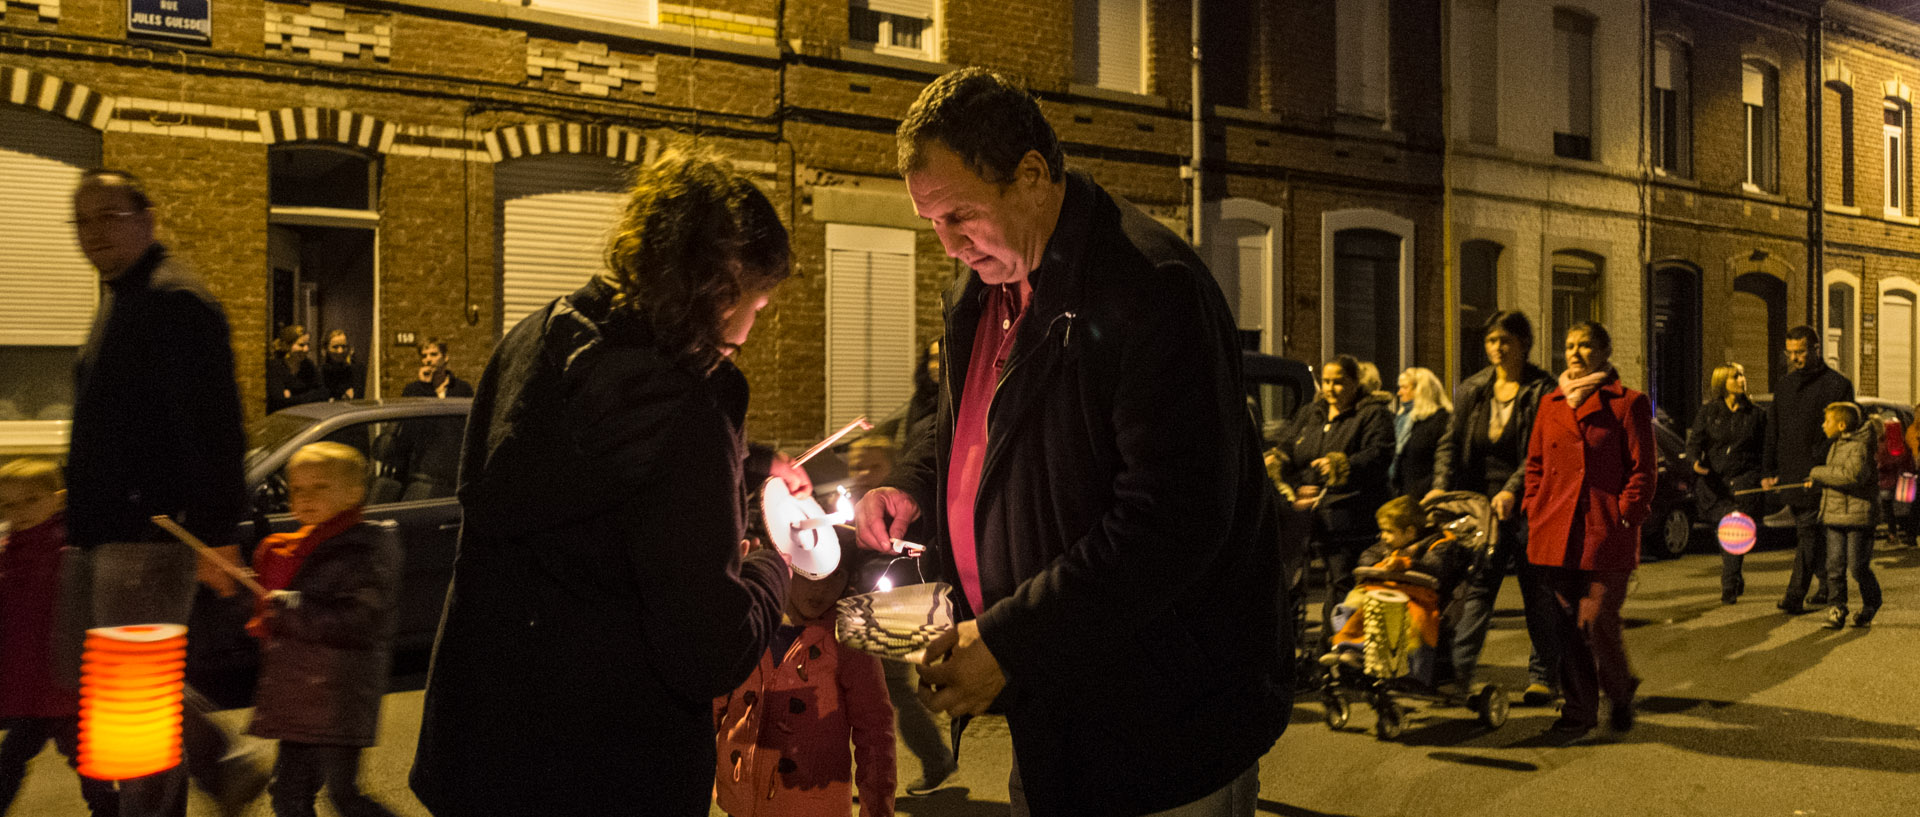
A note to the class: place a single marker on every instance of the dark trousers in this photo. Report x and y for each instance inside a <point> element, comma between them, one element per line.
<point>303,768</point>
<point>1809,558</point>
<point>1341,556</point>
<point>1593,650</point>
<point>26,737</point>
<point>1477,597</point>
<point>1733,577</point>
<point>1851,549</point>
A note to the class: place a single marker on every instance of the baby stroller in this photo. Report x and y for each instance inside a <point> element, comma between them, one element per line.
<point>1391,664</point>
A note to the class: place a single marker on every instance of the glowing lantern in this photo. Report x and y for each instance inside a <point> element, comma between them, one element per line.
<point>1737,533</point>
<point>1905,489</point>
<point>131,679</point>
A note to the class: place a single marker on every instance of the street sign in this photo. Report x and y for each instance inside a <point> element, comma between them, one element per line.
<point>189,20</point>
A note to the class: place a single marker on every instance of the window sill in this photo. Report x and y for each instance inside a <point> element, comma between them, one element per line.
<point>1669,180</point>
<point>1749,190</point>
<point>1123,97</point>
<point>34,437</point>
<point>1843,209</point>
<point>1911,221</point>
<point>868,54</point>
<point>1247,115</point>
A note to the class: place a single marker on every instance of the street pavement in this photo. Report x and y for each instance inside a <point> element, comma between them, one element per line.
<point>1744,712</point>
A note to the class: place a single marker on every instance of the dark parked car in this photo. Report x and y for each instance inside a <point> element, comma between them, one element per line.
<point>1276,386</point>
<point>1669,529</point>
<point>412,445</point>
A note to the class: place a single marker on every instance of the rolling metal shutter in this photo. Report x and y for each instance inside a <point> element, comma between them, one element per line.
<point>870,340</point>
<point>554,216</point>
<point>1110,44</point>
<point>48,290</point>
<point>1896,346</point>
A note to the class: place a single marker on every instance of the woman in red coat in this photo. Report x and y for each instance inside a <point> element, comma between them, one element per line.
<point>1590,480</point>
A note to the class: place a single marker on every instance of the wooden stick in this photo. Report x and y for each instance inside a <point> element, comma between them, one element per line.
<point>240,574</point>
<point>858,423</point>
<point>1807,484</point>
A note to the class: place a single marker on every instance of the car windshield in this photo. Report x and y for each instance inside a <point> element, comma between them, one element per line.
<point>267,435</point>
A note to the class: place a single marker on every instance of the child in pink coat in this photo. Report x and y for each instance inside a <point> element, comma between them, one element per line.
<point>783,736</point>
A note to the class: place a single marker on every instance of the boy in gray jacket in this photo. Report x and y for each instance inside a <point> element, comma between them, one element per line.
<point>1849,509</point>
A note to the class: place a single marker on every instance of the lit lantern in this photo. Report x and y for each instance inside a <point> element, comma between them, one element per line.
<point>1906,487</point>
<point>1737,533</point>
<point>131,680</point>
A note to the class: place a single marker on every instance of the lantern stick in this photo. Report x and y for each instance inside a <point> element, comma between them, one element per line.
<point>240,574</point>
<point>858,423</point>
<point>1807,484</point>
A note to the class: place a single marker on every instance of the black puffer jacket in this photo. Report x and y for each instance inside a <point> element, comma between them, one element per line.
<point>1795,443</point>
<point>1459,447</point>
<point>599,599</point>
<point>1413,463</point>
<point>1125,530</point>
<point>324,669</point>
<point>1364,434</point>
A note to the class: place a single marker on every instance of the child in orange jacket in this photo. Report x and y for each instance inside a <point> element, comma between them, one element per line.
<point>783,735</point>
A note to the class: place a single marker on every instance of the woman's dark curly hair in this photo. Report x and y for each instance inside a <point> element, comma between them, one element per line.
<point>695,239</point>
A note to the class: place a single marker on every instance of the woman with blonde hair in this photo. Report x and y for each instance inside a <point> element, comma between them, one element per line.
<point>1726,446</point>
<point>1422,418</point>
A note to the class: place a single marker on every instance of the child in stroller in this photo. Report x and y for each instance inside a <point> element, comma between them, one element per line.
<point>1390,625</point>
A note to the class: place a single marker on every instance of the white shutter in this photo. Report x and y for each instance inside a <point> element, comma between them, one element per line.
<point>1663,65</point>
<point>637,12</point>
<point>1896,347</point>
<point>920,9</point>
<point>1109,41</point>
<point>48,290</point>
<point>870,341</point>
<point>556,213</point>
<point>1753,85</point>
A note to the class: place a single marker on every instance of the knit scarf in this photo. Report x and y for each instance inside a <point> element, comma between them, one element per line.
<point>279,557</point>
<point>1578,389</point>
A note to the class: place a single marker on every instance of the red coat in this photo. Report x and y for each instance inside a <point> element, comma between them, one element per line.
<point>29,598</point>
<point>1602,452</point>
<point>783,736</point>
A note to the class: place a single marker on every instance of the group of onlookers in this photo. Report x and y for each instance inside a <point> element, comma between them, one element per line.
<point>293,378</point>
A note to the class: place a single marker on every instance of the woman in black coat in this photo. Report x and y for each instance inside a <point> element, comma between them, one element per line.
<point>1418,426</point>
<point>292,378</point>
<point>344,377</point>
<point>1726,446</point>
<point>1338,449</point>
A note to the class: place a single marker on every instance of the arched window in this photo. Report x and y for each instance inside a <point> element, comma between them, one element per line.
<point>1577,287</point>
<point>1842,330</point>
<point>1242,254</point>
<point>48,290</point>
<point>1670,122</point>
<point>1759,95</point>
<point>1479,299</point>
<point>553,215</point>
<point>1897,327</point>
<point>1366,287</point>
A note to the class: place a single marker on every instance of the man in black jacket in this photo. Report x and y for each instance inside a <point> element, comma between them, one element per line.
<point>156,430</point>
<point>1112,534</point>
<point>1795,443</point>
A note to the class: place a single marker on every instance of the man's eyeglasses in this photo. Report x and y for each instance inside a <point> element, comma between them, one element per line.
<point>98,219</point>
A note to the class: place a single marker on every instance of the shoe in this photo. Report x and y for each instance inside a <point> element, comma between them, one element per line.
<point>931,778</point>
<point>1620,717</point>
<point>243,775</point>
<point>1569,729</point>
<point>1836,618</point>
<point>1729,598</point>
<point>1818,599</point>
<point>1863,619</point>
<point>1537,694</point>
<point>1791,609</point>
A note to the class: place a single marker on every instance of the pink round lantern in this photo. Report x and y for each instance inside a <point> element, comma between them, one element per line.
<point>1737,533</point>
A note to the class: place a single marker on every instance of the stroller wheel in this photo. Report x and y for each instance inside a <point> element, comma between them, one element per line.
<point>1389,725</point>
<point>1337,711</point>
<point>1491,704</point>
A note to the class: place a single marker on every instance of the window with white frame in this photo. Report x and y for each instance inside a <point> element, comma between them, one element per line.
<point>1670,120</point>
<point>48,290</point>
<point>871,352</point>
<point>1897,325</point>
<point>1893,131</point>
<point>1576,297</point>
<point>900,27</point>
<point>1110,43</point>
<point>636,12</point>
<point>1361,54</point>
<point>1758,95</point>
<point>1842,339</point>
<point>1573,71</point>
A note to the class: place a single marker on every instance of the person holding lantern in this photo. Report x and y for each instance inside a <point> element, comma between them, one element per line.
<point>1725,445</point>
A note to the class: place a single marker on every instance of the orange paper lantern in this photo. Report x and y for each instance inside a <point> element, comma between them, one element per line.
<point>131,680</point>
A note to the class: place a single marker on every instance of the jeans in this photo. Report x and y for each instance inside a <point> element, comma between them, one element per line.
<point>25,737</point>
<point>1593,646</point>
<point>1236,799</point>
<point>1809,558</point>
<point>918,729</point>
<point>1851,549</point>
<point>1477,597</point>
<point>301,770</point>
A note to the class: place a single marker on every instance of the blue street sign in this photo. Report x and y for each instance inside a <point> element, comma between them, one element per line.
<point>190,20</point>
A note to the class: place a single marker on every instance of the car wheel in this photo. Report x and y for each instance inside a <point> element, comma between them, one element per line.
<point>1671,539</point>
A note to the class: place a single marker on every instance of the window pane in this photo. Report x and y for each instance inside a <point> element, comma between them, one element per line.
<point>906,30</point>
<point>1839,341</point>
<point>1367,300</point>
<point>321,177</point>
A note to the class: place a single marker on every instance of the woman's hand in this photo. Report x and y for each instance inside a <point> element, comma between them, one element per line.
<point>795,476</point>
<point>1323,465</point>
<point>1503,503</point>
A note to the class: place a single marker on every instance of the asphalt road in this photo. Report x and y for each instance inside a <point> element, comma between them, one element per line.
<point>1745,712</point>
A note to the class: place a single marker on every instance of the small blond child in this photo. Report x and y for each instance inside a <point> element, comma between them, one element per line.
<point>1409,558</point>
<point>1849,510</point>
<point>325,626</point>
<point>782,737</point>
<point>34,707</point>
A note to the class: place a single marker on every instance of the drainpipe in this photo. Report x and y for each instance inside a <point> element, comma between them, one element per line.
<point>1816,178</point>
<point>1198,216</point>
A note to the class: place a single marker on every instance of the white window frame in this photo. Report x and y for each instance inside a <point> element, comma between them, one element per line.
<point>1331,224</point>
<point>1894,163</point>
<point>1852,339</point>
<point>1910,288</point>
<point>1272,314</point>
<point>647,13</point>
<point>891,9</point>
<point>862,238</point>
<point>1762,126</point>
<point>1677,70</point>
